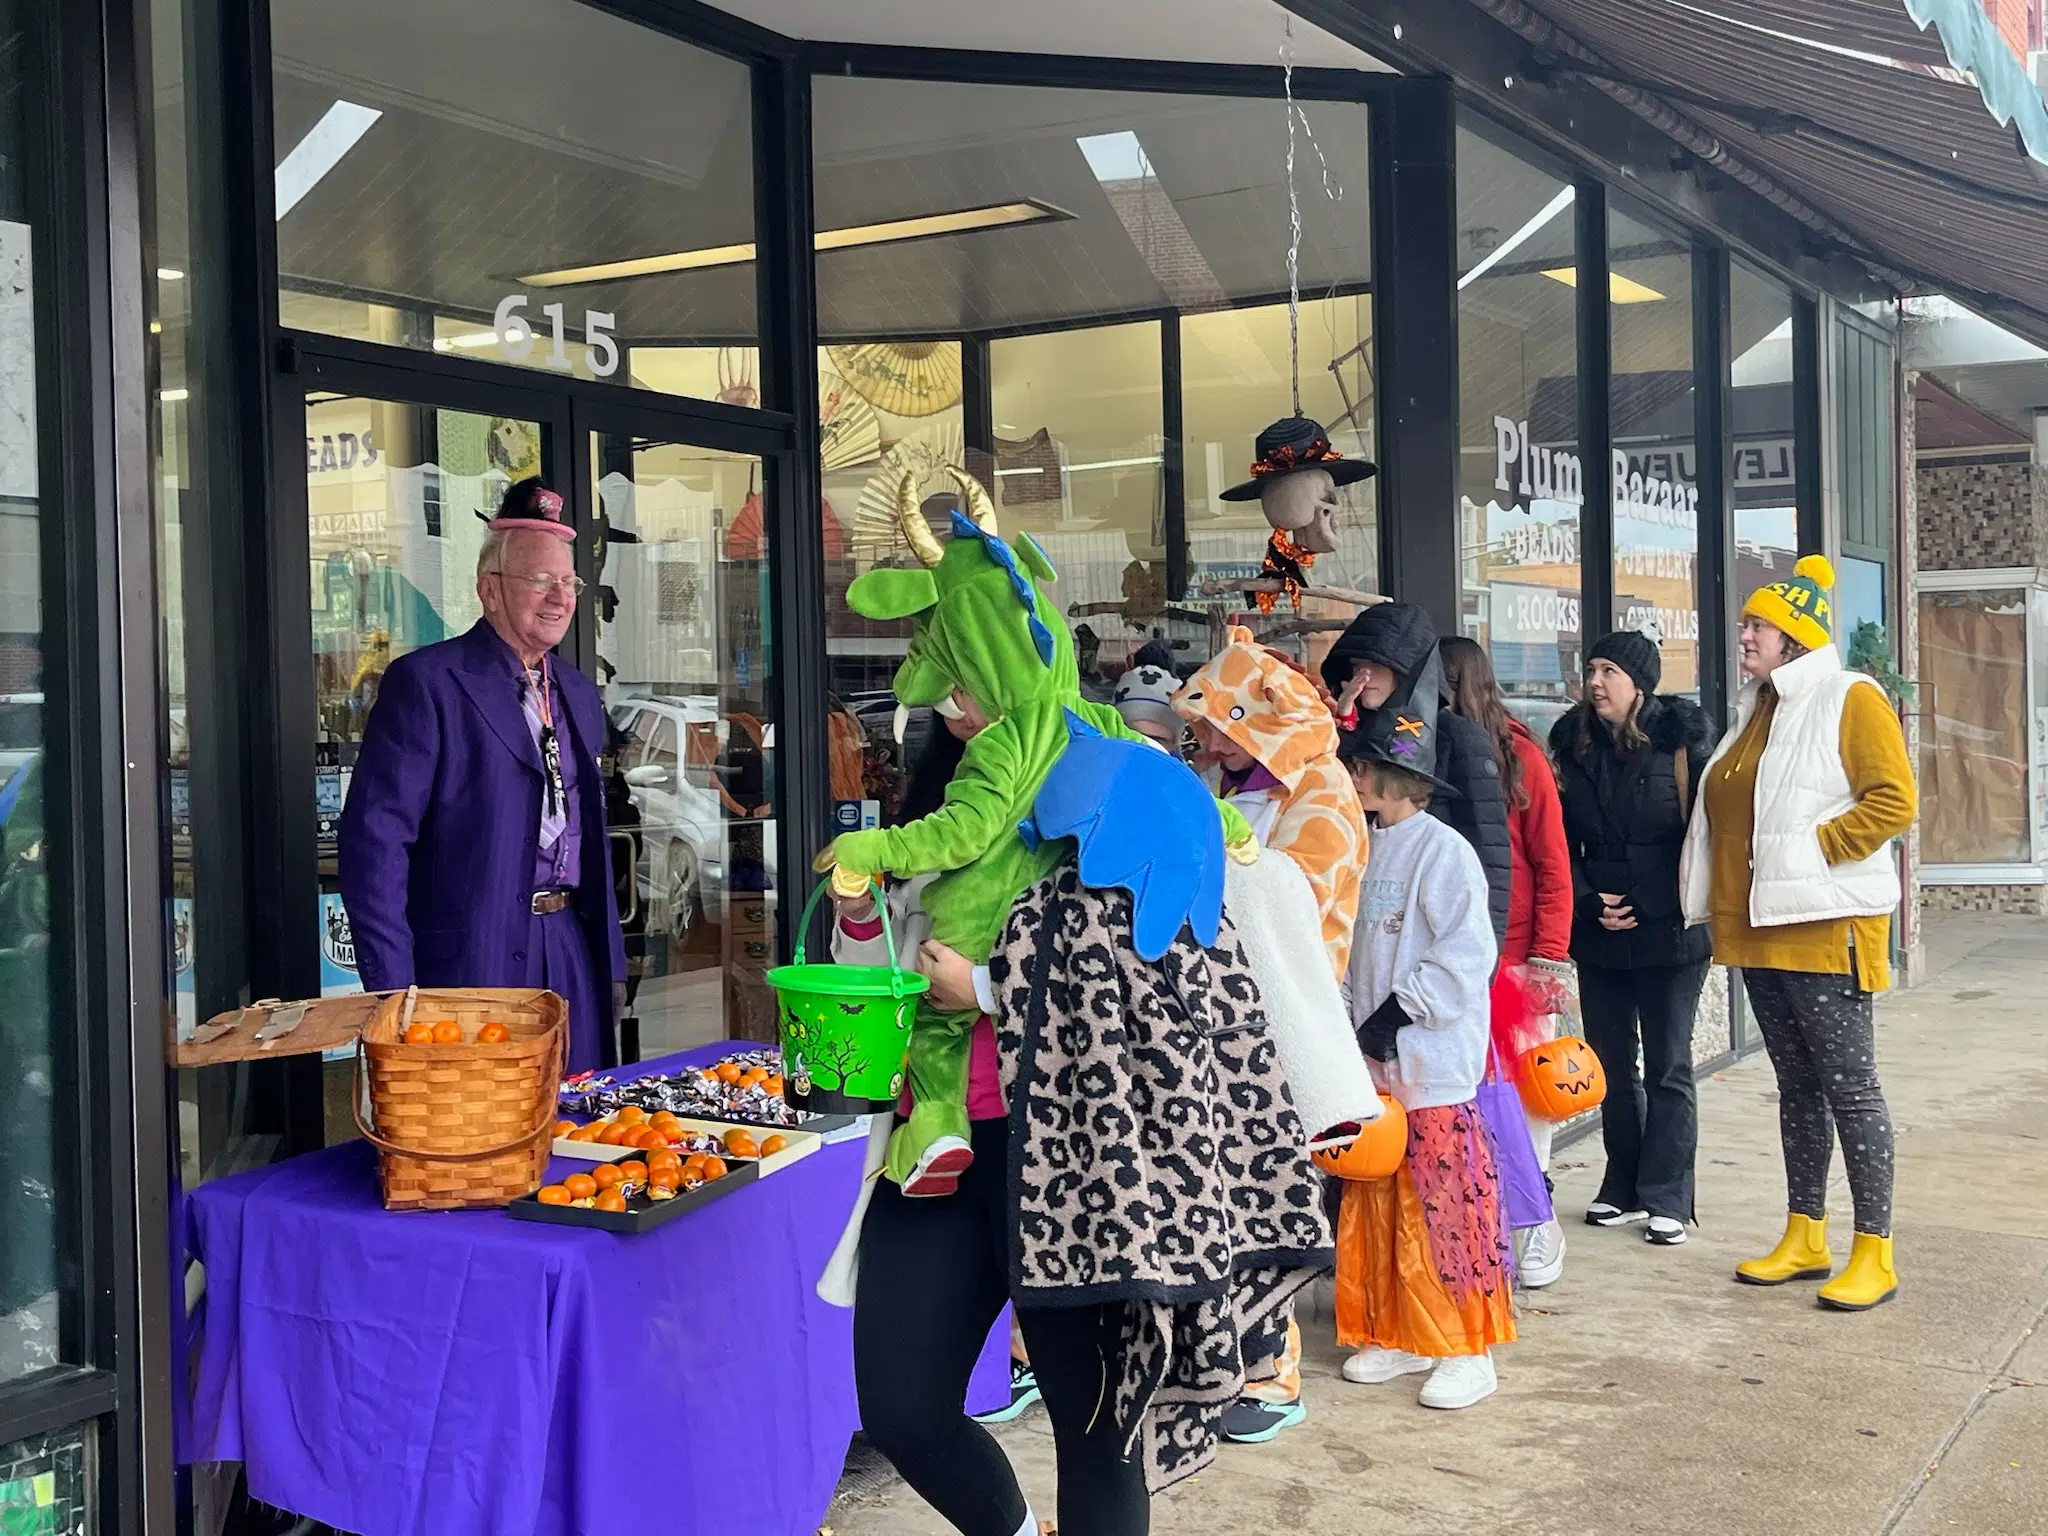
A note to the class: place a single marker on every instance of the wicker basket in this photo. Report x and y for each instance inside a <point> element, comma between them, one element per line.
<point>468,1125</point>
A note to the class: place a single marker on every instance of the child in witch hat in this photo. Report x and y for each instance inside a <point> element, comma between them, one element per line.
<point>1424,1264</point>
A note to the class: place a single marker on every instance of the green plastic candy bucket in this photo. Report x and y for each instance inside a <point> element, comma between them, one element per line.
<point>845,1028</point>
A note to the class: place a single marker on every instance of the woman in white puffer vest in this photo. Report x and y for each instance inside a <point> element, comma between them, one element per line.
<point>1789,858</point>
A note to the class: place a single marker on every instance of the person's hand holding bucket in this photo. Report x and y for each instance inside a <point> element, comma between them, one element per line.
<point>951,975</point>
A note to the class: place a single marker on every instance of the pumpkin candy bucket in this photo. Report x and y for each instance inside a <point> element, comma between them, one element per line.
<point>1378,1151</point>
<point>1560,1079</point>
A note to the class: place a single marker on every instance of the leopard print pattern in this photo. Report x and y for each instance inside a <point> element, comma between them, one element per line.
<point>1156,1158</point>
<point>1273,712</point>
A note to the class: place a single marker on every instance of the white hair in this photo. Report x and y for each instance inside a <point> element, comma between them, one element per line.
<point>491,556</point>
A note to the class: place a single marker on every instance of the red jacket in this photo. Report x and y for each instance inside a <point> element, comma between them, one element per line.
<point>1540,894</point>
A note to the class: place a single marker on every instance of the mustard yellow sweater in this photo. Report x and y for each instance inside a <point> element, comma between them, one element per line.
<point>1880,776</point>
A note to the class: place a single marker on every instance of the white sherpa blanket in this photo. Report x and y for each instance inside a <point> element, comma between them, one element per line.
<point>1275,914</point>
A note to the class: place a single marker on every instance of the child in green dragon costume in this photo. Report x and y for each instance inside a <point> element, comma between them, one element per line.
<point>984,635</point>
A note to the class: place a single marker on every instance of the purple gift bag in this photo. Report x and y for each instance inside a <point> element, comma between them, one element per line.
<point>1524,1197</point>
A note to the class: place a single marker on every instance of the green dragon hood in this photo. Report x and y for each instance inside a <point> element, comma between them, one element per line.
<point>981,621</point>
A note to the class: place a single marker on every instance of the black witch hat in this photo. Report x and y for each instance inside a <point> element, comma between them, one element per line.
<point>1295,443</point>
<point>1402,732</point>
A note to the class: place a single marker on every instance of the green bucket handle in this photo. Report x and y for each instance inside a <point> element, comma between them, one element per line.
<point>896,971</point>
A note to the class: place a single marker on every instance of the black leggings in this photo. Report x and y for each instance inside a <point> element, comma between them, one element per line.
<point>1821,1036</point>
<point>1650,1121</point>
<point>933,1280</point>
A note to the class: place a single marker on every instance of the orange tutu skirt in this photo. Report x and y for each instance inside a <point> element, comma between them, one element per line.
<point>1423,1259</point>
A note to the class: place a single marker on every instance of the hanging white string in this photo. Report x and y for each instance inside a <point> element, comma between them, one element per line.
<point>1296,113</point>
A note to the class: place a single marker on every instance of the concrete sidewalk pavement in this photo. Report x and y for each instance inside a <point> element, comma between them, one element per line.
<point>1649,1392</point>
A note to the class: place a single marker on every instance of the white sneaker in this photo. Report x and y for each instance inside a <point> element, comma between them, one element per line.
<point>1539,1255</point>
<point>1664,1231</point>
<point>1459,1382</point>
<point>1369,1367</point>
<point>1601,1214</point>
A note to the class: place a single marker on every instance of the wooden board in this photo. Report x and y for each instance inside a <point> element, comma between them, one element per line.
<point>329,1023</point>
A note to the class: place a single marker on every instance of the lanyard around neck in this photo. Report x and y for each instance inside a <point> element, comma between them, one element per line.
<point>550,741</point>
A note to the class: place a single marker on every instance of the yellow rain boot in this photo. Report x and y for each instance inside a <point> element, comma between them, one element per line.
<point>1868,1279</point>
<point>1801,1254</point>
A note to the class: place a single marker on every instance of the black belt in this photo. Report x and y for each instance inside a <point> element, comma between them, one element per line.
<point>547,903</point>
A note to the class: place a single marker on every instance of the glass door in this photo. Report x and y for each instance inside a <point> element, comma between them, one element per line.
<point>683,653</point>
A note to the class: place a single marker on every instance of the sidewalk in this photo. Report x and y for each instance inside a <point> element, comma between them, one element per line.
<point>1651,1393</point>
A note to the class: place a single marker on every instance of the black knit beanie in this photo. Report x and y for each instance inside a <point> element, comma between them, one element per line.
<point>1636,654</point>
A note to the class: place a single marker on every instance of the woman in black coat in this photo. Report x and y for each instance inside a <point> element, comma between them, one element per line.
<point>1627,761</point>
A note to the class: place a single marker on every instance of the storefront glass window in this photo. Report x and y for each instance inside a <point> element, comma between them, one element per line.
<point>1016,325</point>
<point>1763,479</point>
<point>684,659</point>
<point>552,188</point>
<point>1974,738</point>
<point>1522,472</point>
<point>29,1023</point>
<point>1079,468</point>
<point>1655,462</point>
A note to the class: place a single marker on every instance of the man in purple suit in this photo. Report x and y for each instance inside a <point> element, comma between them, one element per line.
<point>473,850</point>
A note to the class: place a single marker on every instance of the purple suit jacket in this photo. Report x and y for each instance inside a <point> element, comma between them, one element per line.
<point>443,821</point>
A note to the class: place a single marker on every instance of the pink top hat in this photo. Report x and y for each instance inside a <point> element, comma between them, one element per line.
<point>531,506</point>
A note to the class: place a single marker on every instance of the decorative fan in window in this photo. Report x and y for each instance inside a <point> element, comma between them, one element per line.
<point>925,453</point>
<point>904,378</point>
<point>849,431</point>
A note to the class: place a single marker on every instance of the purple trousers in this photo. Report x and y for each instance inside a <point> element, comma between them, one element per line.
<point>565,970</point>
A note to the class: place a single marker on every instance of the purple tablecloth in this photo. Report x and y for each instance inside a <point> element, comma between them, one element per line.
<point>463,1374</point>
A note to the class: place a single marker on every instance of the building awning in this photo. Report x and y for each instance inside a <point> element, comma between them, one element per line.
<point>1850,115</point>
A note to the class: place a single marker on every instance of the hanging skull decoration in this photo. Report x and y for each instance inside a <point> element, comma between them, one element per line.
<point>1295,478</point>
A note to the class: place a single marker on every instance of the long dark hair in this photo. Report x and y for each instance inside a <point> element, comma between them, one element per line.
<point>1627,736</point>
<point>1475,694</point>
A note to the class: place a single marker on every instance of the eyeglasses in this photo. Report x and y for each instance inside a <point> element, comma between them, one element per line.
<point>543,584</point>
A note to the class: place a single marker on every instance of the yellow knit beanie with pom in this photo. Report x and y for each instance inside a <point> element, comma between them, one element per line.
<point>1803,606</point>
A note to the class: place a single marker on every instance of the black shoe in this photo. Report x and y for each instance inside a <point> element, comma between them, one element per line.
<point>1601,1214</point>
<point>1251,1422</point>
<point>1023,1393</point>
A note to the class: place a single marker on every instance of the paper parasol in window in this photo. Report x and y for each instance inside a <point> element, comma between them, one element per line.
<point>849,431</point>
<point>904,378</point>
<point>928,453</point>
<point>747,540</point>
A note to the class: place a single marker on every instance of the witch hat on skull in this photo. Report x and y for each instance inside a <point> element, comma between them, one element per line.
<point>1295,478</point>
<point>1402,732</point>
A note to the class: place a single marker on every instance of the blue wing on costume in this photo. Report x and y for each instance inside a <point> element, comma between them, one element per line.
<point>1145,823</point>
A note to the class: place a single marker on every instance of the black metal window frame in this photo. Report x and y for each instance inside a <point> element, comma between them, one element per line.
<point>102,823</point>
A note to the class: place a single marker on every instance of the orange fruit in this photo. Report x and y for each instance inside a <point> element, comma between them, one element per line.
<point>565,1128</point>
<point>665,1120</point>
<point>493,1034</point>
<point>611,1200</point>
<point>665,1157</point>
<point>742,1144</point>
<point>773,1084</point>
<point>553,1194</point>
<point>613,1134</point>
<point>605,1175</point>
<point>632,1170</point>
<point>773,1145</point>
<point>669,1176</point>
<point>447,1032</point>
<point>581,1186</point>
<point>631,1114</point>
<point>714,1168</point>
<point>419,1034</point>
<point>587,1132</point>
<point>752,1076</point>
<point>727,1071</point>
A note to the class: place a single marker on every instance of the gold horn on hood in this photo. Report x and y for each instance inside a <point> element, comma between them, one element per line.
<point>980,510</point>
<point>910,518</point>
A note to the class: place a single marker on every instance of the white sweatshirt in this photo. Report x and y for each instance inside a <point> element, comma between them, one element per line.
<point>1424,935</point>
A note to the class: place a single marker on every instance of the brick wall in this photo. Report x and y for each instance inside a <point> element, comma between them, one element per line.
<point>2020,900</point>
<point>1974,517</point>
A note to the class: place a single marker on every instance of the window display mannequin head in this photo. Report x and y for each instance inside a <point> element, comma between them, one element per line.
<point>1295,478</point>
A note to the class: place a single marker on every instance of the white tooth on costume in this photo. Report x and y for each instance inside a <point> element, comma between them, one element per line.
<point>948,709</point>
<point>900,723</point>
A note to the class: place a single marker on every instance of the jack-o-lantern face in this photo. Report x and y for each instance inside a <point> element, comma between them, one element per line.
<point>1560,1079</point>
<point>1377,1153</point>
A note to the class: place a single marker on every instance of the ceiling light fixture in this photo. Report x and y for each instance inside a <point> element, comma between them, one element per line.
<point>1499,253</point>
<point>169,275</point>
<point>320,151</point>
<point>173,396</point>
<point>886,232</point>
<point>467,341</point>
<point>1620,290</point>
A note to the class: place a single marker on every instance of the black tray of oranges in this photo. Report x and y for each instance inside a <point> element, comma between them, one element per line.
<point>630,1196</point>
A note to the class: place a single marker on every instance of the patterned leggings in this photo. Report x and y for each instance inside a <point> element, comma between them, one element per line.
<point>1822,1042</point>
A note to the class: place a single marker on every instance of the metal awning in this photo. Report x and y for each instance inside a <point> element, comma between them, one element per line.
<point>1845,114</point>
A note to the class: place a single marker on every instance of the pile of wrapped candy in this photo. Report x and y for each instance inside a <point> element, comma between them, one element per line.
<point>745,1086</point>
